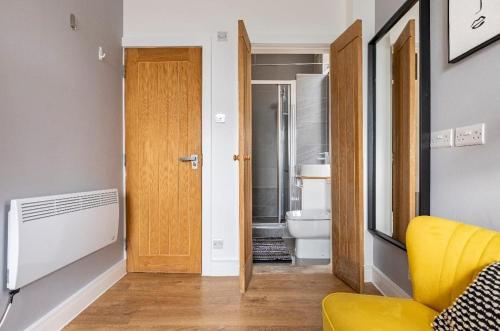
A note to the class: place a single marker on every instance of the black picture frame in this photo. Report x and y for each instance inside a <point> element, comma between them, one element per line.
<point>424,111</point>
<point>472,50</point>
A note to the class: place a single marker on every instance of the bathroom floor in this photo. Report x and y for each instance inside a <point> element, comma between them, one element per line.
<point>296,265</point>
<point>279,268</point>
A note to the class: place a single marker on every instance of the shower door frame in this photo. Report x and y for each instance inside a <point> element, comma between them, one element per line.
<point>292,153</point>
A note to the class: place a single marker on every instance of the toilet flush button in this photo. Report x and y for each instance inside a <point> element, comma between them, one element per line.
<point>220,118</point>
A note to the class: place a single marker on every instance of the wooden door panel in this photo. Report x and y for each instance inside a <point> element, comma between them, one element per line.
<point>404,142</point>
<point>245,152</point>
<point>347,157</point>
<point>163,123</point>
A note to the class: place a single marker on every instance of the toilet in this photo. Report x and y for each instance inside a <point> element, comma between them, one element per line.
<point>311,226</point>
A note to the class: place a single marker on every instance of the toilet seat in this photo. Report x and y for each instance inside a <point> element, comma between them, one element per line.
<point>308,214</point>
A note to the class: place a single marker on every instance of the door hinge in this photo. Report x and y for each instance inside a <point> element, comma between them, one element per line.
<point>124,71</point>
<point>124,160</point>
<point>416,66</point>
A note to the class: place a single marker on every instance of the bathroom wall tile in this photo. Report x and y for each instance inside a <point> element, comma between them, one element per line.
<point>312,118</point>
<point>309,154</point>
<point>282,72</point>
<point>265,197</point>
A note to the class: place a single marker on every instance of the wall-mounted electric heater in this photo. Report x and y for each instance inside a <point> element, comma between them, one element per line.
<point>48,233</point>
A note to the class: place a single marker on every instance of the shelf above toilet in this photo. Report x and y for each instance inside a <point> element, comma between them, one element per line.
<point>314,171</point>
<point>314,177</point>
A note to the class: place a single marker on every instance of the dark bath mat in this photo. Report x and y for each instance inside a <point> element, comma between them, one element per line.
<point>270,250</point>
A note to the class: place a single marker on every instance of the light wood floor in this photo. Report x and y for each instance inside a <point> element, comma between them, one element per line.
<point>188,302</point>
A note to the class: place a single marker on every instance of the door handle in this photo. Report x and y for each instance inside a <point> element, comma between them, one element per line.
<point>190,158</point>
<point>238,158</point>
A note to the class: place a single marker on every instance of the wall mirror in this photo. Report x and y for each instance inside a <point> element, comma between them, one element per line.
<point>399,123</point>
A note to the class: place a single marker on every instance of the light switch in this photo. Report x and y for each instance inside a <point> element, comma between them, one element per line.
<point>442,139</point>
<point>220,118</point>
<point>470,135</point>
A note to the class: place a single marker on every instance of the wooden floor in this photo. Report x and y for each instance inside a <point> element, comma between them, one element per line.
<point>187,302</point>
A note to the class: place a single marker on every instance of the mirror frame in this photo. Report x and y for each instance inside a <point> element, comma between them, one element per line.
<point>424,111</point>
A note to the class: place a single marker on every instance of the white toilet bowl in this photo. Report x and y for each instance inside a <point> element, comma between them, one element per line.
<point>311,228</point>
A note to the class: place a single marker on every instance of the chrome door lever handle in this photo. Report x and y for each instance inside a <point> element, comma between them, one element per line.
<point>190,158</point>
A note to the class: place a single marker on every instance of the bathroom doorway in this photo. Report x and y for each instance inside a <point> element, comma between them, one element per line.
<point>291,162</point>
<point>344,179</point>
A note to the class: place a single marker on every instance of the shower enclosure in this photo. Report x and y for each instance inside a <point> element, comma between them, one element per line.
<point>273,168</point>
<point>290,128</point>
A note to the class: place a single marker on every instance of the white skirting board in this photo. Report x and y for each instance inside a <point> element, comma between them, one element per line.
<point>61,315</point>
<point>222,267</point>
<point>386,286</point>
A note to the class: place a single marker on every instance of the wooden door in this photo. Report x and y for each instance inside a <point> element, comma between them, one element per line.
<point>245,155</point>
<point>347,156</point>
<point>404,132</point>
<point>163,125</point>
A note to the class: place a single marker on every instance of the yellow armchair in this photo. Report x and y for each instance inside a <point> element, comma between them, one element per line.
<point>444,257</point>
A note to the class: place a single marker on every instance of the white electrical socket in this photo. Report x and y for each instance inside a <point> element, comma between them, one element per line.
<point>470,135</point>
<point>218,244</point>
<point>442,139</point>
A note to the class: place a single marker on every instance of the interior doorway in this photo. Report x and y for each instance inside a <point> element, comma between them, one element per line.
<point>305,210</point>
<point>291,163</point>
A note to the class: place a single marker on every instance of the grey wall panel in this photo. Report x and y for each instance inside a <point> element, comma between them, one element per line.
<point>464,181</point>
<point>312,118</point>
<point>60,125</point>
<point>282,72</point>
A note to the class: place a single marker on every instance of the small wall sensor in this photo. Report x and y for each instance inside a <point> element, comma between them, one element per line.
<point>101,54</point>
<point>222,36</point>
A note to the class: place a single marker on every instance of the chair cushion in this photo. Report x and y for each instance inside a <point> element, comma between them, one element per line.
<point>478,308</point>
<point>346,311</point>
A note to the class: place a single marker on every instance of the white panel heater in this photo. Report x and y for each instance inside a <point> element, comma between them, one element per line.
<point>48,233</point>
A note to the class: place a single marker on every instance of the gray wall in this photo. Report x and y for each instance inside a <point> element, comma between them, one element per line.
<point>464,181</point>
<point>60,125</point>
<point>384,9</point>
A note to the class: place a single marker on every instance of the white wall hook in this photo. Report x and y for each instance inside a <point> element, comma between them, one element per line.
<point>102,55</point>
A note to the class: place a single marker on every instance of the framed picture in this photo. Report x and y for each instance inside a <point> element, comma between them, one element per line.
<point>472,25</point>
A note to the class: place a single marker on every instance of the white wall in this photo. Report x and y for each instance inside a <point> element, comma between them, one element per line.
<point>364,10</point>
<point>167,22</point>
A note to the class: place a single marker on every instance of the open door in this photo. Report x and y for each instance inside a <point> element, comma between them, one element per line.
<point>347,156</point>
<point>404,131</point>
<point>245,155</point>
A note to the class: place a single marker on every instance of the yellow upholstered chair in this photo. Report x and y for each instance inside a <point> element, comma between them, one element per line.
<point>444,257</point>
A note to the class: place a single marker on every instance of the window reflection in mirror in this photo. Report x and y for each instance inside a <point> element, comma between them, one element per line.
<point>397,141</point>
